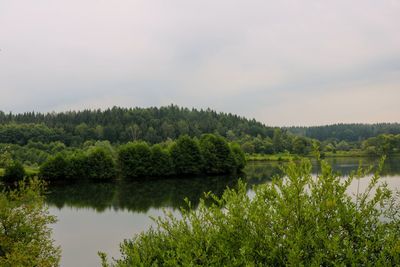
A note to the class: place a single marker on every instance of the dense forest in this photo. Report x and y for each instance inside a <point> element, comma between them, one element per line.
<point>346,132</point>
<point>121,125</point>
<point>209,155</point>
<point>32,138</point>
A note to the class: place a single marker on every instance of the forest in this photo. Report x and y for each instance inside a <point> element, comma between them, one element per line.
<point>346,132</point>
<point>32,138</point>
<point>121,125</point>
<point>210,155</point>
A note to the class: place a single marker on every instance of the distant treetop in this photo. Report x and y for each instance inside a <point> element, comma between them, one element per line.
<point>120,125</point>
<point>348,132</point>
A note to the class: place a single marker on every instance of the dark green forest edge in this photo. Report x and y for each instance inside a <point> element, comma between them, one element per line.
<point>186,156</point>
<point>33,138</point>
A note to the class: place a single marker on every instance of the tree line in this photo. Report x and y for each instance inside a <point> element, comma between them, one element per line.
<point>355,132</point>
<point>121,125</point>
<point>210,154</point>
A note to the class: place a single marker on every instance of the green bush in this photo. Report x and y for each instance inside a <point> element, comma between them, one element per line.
<point>186,156</point>
<point>161,162</point>
<point>14,172</point>
<point>239,157</point>
<point>77,167</point>
<point>135,160</point>
<point>100,165</point>
<point>299,220</point>
<point>217,155</point>
<point>55,168</point>
<point>25,237</point>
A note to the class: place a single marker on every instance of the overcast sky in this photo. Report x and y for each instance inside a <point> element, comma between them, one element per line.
<point>282,62</point>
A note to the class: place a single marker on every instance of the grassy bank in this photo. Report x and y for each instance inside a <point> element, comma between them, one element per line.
<point>272,157</point>
<point>30,171</point>
<point>290,157</point>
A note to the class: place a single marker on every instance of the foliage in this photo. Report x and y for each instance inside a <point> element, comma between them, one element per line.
<point>55,168</point>
<point>95,163</point>
<point>346,132</point>
<point>299,220</point>
<point>384,144</point>
<point>217,155</point>
<point>238,156</point>
<point>186,156</point>
<point>121,125</point>
<point>100,165</point>
<point>161,162</point>
<point>25,238</point>
<point>135,160</point>
<point>14,172</point>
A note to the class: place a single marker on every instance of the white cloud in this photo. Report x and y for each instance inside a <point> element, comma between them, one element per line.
<point>234,56</point>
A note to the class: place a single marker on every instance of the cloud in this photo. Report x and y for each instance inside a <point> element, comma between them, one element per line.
<point>245,57</point>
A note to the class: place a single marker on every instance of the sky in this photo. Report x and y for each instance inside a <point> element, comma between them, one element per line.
<point>282,62</point>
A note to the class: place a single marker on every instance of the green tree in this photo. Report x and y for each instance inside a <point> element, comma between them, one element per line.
<point>239,157</point>
<point>100,165</point>
<point>161,162</point>
<point>14,172</point>
<point>300,145</point>
<point>76,166</point>
<point>135,160</point>
<point>186,156</point>
<point>25,237</point>
<point>55,168</point>
<point>217,155</point>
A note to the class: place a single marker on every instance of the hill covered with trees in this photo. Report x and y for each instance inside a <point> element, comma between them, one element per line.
<point>354,132</point>
<point>121,125</point>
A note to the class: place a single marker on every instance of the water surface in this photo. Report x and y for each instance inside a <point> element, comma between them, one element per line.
<point>96,217</point>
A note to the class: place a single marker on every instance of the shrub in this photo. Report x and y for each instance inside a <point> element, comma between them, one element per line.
<point>55,168</point>
<point>25,238</point>
<point>239,157</point>
<point>161,162</point>
<point>297,221</point>
<point>135,160</point>
<point>100,165</point>
<point>77,167</point>
<point>217,155</point>
<point>186,156</point>
<point>14,172</point>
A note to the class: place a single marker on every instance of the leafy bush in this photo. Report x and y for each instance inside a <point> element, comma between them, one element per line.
<point>135,159</point>
<point>217,155</point>
<point>55,168</point>
<point>25,238</point>
<point>161,162</point>
<point>100,165</point>
<point>299,220</point>
<point>77,167</point>
<point>186,156</point>
<point>14,172</point>
<point>239,157</point>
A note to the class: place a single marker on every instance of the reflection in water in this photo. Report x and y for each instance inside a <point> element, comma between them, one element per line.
<point>98,216</point>
<point>140,196</point>
<point>137,196</point>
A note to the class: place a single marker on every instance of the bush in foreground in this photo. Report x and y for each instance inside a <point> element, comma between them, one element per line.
<point>295,221</point>
<point>25,237</point>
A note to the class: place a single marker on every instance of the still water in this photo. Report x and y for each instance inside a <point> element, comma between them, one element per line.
<point>96,217</point>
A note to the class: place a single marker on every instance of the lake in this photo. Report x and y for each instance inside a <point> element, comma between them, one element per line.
<point>96,217</point>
